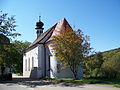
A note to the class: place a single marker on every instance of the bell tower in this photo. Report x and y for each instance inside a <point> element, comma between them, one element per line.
<point>39,27</point>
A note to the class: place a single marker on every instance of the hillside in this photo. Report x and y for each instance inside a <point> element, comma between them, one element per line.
<point>111,52</point>
<point>104,64</point>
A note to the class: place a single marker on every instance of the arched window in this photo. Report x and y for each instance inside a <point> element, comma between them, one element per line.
<point>32,62</point>
<point>25,64</point>
<point>29,64</point>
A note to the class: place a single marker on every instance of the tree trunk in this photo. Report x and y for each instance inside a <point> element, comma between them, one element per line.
<point>74,72</point>
<point>75,75</point>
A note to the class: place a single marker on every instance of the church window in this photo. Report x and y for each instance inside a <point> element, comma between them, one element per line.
<point>25,64</point>
<point>32,62</point>
<point>29,64</point>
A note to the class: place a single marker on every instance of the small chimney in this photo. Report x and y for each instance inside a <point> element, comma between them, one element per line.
<point>39,27</point>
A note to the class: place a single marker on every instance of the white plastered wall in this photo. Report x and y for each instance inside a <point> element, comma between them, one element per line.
<point>28,55</point>
<point>63,73</point>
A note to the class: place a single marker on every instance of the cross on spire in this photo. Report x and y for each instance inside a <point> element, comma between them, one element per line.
<point>39,18</point>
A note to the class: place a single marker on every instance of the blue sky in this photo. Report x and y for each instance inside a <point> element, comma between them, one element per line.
<point>100,19</point>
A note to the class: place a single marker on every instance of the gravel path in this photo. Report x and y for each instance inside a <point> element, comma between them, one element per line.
<point>81,87</point>
<point>60,86</point>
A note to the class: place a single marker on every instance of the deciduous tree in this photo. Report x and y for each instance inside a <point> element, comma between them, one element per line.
<point>71,47</point>
<point>7,31</point>
<point>7,25</point>
<point>14,55</point>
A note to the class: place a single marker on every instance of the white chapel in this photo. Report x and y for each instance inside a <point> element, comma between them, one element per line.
<point>39,59</point>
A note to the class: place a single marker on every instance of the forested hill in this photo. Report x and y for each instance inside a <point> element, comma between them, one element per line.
<point>104,64</point>
<point>113,51</point>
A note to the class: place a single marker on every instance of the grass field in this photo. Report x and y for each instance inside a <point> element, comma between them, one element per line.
<point>114,82</point>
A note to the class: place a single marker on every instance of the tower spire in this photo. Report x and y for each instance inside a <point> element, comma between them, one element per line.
<point>39,27</point>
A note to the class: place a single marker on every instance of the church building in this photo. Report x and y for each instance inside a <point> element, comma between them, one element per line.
<point>39,59</point>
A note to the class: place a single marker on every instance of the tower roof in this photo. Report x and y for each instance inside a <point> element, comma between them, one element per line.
<point>39,24</point>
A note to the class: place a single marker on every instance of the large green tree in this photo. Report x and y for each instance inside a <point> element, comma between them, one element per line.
<point>14,55</point>
<point>71,48</point>
<point>7,30</point>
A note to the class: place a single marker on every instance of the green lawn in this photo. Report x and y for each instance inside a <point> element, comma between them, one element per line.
<point>114,82</point>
